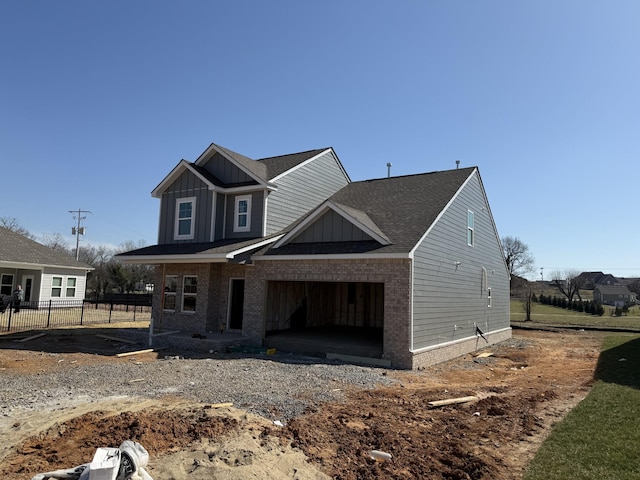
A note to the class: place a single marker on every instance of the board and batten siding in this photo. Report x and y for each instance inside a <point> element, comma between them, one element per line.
<point>303,189</point>
<point>227,172</point>
<point>331,227</point>
<point>257,209</point>
<point>186,185</point>
<point>450,278</point>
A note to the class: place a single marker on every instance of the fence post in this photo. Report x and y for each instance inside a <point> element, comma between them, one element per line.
<point>10,310</point>
<point>110,310</point>
<point>49,314</point>
<point>82,312</point>
<point>135,305</point>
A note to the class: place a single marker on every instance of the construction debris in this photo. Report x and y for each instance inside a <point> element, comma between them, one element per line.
<point>126,354</point>
<point>124,463</point>
<point>452,401</point>
<point>116,339</point>
<point>32,337</point>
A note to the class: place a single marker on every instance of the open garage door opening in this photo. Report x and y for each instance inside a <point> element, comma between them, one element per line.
<point>326,317</point>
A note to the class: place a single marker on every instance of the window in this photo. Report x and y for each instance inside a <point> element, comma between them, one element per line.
<point>470,230</point>
<point>71,287</point>
<point>6,284</point>
<point>170,289</point>
<point>56,287</point>
<point>185,218</point>
<point>242,221</point>
<point>189,292</point>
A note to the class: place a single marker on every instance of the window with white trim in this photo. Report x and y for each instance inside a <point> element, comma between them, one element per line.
<point>189,293</point>
<point>470,229</point>
<point>242,214</point>
<point>56,287</point>
<point>6,284</point>
<point>170,290</point>
<point>185,218</point>
<point>71,286</point>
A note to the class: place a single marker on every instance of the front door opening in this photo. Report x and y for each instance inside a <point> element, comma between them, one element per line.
<point>236,303</point>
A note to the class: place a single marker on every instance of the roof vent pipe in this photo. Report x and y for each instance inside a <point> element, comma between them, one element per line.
<point>457,164</point>
<point>388,169</point>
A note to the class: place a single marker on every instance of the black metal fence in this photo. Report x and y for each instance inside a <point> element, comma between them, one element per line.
<point>64,313</point>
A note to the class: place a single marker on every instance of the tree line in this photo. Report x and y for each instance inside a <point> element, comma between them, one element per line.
<point>108,274</point>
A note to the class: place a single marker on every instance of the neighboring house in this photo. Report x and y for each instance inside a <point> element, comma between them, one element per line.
<point>45,274</point>
<point>290,244</point>
<point>589,280</point>
<point>617,295</point>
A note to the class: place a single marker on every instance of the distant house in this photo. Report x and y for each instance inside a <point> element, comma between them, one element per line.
<point>616,295</point>
<point>589,280</point>
<point>43,273</point>
<point>290,245</point>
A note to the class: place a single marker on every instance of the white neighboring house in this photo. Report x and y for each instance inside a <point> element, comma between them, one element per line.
<point>45,274</point>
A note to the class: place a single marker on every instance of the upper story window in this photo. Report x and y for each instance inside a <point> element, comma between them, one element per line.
<point>242,214</point>
<point>170,290</point>
<point>470,229</point>
<point>185,218</point>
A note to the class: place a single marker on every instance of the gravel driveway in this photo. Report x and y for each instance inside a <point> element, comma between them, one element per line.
<point>278,387</point>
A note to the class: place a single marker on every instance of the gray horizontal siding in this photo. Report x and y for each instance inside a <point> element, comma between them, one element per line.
<point>303,189</point>
<point>331,227</point>
<point>450,300</point>
<point>186,185</point>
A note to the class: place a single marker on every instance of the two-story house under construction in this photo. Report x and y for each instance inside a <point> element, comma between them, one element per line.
<point>289,247</point>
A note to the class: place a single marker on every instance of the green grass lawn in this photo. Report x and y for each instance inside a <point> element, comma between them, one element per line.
<point>561,316</point>
<point>600,438</point>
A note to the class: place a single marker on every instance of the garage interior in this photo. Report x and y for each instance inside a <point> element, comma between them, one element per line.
<point>329,319</point>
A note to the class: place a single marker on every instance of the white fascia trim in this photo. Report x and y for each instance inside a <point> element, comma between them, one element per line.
<point>300,165</point>
<point>264,212</point>
<point>376,236</point>
<point>321,210</point>
<point>40,266</point>
<point>170,178</point>
<point>160,259</point>
<point>333,256</point>
<point>253,246</point>
<point>437,219</point>
<point>453,342</point>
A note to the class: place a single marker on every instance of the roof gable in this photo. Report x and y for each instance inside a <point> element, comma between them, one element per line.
<point>357,218</point>
<point>18,249</point>
<point>397,211</point>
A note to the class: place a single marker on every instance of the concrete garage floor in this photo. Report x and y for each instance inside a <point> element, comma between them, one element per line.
<point>358,345</point>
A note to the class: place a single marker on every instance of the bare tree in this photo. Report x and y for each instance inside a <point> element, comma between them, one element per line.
<point>568,282</point>
<point>12,224</point>
<point>55,241</point>
<point>516,254</point>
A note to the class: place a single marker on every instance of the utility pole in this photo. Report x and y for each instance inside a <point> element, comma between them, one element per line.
<point>78,230</point>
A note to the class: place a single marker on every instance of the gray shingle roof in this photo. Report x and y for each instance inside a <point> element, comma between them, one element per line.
<point>16,248</point>
<point>280,164</point>
<point>403,208</point>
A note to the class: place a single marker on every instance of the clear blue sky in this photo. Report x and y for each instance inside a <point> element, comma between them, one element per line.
<point>100,100</point>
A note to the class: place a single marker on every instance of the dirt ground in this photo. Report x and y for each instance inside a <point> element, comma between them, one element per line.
<point>523,387</point>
